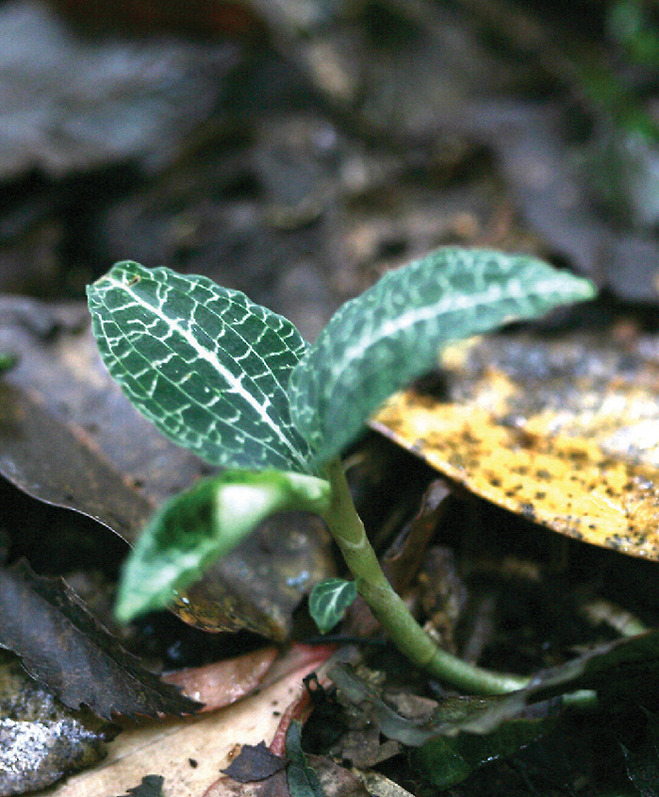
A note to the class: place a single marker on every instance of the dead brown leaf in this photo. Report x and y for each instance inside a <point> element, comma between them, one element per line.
<point>64,647</point>
<point>222,683</point>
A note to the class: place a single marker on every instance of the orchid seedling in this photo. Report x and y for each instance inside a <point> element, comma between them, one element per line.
<point>238,385</point>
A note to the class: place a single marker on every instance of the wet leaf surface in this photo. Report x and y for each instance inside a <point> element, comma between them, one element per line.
<point>41,740</point>
<point>65,648</point>
<point>564,433</point>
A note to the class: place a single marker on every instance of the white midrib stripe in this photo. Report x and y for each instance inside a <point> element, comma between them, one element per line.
<point>205,354</point>
<point>492,293</point>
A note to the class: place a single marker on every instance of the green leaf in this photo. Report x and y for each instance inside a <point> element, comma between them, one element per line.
<point>196,527</point>
<point>329,600</point>
<point>7,361</point>
<point>446,761</point>
<point>302,778</point>
<point>204,363</point>
<point>380,341</point>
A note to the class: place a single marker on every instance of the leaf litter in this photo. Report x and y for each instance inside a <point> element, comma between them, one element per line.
<point>536,205</point>
<point>564,433</point>
<point>64,647</point>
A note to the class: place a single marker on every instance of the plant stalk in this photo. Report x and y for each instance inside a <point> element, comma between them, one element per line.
<point>409,637</point>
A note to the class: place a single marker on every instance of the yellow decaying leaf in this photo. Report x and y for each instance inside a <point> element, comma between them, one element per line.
<point>565,433</point>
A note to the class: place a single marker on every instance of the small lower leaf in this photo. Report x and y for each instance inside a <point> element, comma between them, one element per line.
<point>198,526</point>
<point>329,600</point>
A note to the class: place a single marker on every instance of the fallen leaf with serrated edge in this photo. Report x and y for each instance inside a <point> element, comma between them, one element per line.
<point>210,740</point>
<point>62,645</point>
<point>565,434</point>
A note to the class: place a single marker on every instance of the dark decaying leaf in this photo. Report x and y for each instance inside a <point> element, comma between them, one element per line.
<point>258,585</point>
<point>41,740</point>
<point>642,760</point>
<point>255,762</point>
<point>151,786</point>
<point>68,436</point>
<point>64,647</point>
<point>86,103</point>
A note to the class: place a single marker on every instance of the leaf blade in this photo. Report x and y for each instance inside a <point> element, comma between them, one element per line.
<point>378,342</point>
<point>205,364</point>
<point>193,529</point>
<point>62,645</point>
<point>329,600</point>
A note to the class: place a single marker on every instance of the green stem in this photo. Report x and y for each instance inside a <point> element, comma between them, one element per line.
<point>348,531</point>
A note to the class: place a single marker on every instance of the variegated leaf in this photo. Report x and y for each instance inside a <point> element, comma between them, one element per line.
<point>329,600</point>
<point>380,341</point>
<point>196,527</point>
<point>204,363</point>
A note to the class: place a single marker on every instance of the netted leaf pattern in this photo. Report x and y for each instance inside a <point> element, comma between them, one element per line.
<point>204,363</point>
<point>329,600</point>
<point>380,341</point>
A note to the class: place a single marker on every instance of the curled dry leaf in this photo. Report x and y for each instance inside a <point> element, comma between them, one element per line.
<point>222,683</point>
<point>564,433</point>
